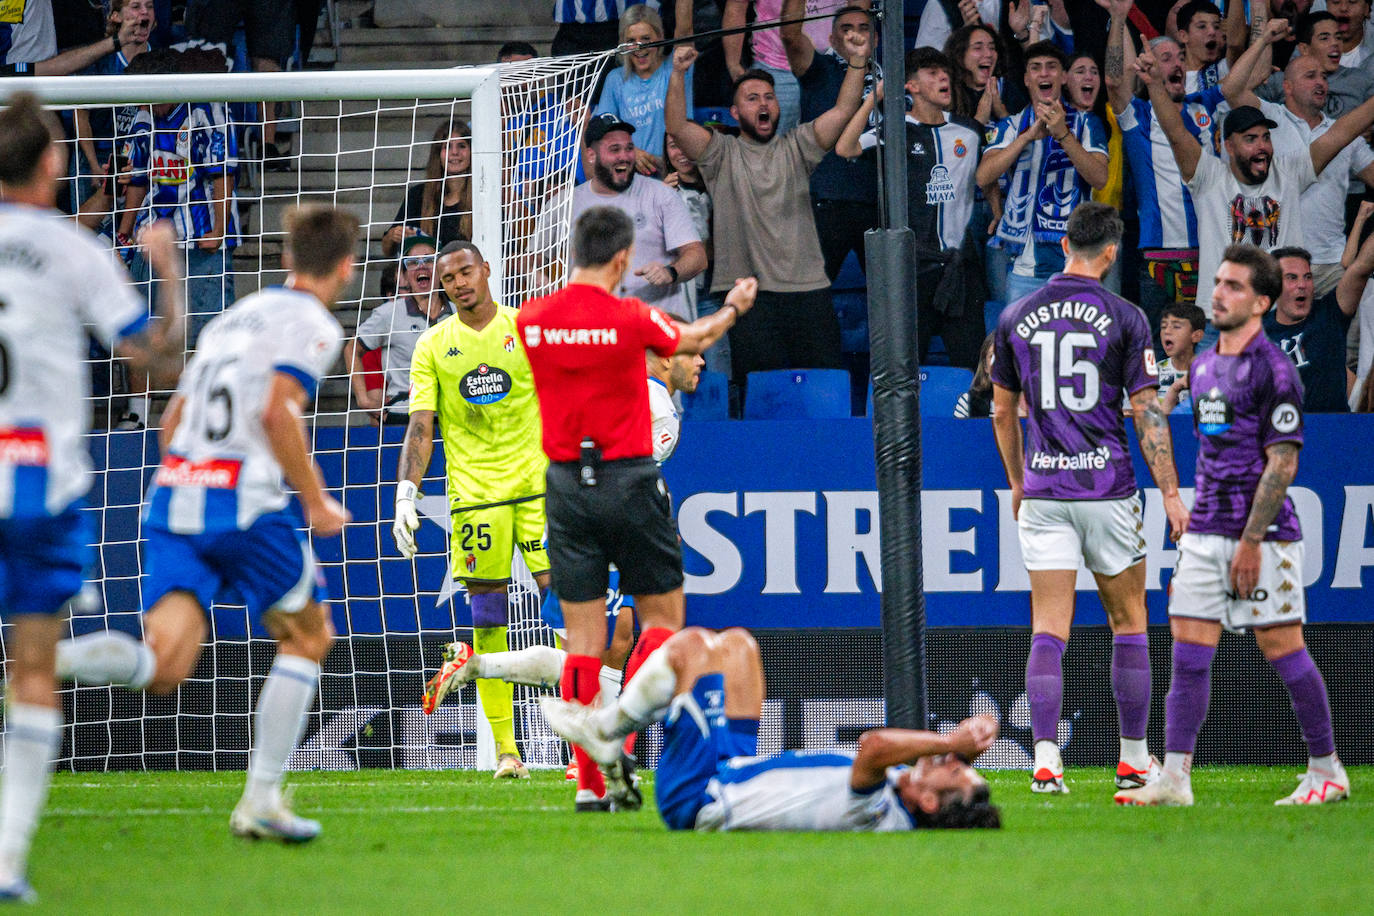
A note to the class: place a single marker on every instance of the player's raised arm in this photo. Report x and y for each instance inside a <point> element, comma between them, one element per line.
<point>702,333</point>
<point>1157,445</point>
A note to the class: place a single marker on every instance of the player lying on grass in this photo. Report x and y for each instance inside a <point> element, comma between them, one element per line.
<point>221,527</point>
<point>708,690</point>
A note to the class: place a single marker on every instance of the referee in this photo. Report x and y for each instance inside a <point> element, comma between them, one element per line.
<point>606,502</point>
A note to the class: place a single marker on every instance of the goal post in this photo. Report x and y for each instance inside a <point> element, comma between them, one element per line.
<point>362,140</point>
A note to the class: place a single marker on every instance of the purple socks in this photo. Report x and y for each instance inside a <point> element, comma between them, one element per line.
<point>1190,690</point>
<point>489,609</point>
<point>1308,692</point>
<point>1131,683</point>
<point>1045,685</point>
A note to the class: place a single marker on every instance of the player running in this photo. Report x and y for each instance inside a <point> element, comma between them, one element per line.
<point>473,375</point>
<point>1073,348</point>
<point>57,286</point>
<point>708,689</point>
<point>1240,564</point>
<point>221,527</point>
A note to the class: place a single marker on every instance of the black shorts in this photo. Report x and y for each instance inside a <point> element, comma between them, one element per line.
<point>626,519</point>
<point>268,25</point>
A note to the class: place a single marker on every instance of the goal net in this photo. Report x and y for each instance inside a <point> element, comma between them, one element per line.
<point>482,153</point>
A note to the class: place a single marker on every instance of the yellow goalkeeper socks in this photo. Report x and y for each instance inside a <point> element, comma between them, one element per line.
<point>497,696</point>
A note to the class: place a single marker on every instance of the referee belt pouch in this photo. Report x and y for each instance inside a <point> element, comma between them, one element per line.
<point>1174,270</point>
<point>961,290</point>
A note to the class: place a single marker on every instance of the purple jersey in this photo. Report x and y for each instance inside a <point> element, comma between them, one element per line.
<point>1242,404</point>
<point>1074,348</point>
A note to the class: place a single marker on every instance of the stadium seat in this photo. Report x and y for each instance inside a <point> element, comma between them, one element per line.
<point>711,401</point>
<point>851,310</point>
<point>794,394</point>
<point>371,362</point>
<point>851,275</point>
<point>718,114</point>
<point>941,387</point>
<point>992,310</point>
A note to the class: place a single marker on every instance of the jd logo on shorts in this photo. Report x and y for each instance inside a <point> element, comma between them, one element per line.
<point>485,385</point>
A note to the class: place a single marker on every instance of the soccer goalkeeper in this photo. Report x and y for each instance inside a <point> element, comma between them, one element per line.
<point>473,375</point>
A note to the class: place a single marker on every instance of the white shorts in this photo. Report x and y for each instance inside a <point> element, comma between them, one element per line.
<point>1105,534</point>
<point>1201,586</point>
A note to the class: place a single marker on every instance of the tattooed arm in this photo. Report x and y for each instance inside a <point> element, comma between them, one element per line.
<point>1157,445</point>
<point>1281,466</point>
<point>1118,74</point>
<point>417,447</point>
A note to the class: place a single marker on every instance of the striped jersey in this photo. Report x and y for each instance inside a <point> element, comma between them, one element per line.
<point>220,473</point>
<point>27,32</point>
<point>941,162</point>
<point>799,790</point>
<point>1043,189</point>
<point>178,157</point>
<point>590,10</point>
<point>480,387</point>
<point>1167,219</point>
<point>57,286</point>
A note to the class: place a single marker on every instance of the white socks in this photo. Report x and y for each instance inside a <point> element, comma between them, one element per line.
<point>537,666</point>
<point>1135,753</point>
<point>1178,766</point>
<point>611,679</point>
<point>106,658</point>
<point>649,694</point>
<point>278,724</point>
<point>1047,757</point>
<point>32,736</point>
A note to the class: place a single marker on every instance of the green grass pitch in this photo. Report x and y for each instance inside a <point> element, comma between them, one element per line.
<point>457,843</point>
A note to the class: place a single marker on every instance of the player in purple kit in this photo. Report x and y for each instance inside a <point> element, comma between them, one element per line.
<point>1074,348</point>
<point>1240,565</point>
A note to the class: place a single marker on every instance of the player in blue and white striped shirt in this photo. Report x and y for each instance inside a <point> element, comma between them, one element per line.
<point>220,524</point>
<point>708,689</point>
<point>57,286</point>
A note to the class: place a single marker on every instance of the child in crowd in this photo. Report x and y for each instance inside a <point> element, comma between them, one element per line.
<point>1180,331</point>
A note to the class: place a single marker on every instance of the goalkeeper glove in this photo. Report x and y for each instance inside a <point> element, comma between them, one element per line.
<point>407,520</point>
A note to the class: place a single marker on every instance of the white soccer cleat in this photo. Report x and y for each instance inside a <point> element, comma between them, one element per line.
<point>573,722</point>
<point>1319,787</point>
<point>1165,791</point>
<point>1045,781</point>
<point>273,823</point>
<point>1128,777</point>
<point>510,767</point>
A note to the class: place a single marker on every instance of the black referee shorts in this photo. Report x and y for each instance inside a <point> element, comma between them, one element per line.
<point>626,519</point>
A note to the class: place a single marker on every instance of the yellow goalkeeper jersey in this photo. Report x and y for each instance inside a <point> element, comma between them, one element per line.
<point>478,383</point>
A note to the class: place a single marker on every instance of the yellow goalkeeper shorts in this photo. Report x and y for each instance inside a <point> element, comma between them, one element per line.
<point>484,538</point>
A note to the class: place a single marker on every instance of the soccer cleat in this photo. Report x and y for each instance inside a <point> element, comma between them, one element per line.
<point>1128,777</point>
<point>573,722</point>
<point>1166,791</point>
<point>570,774</point>
<point>1319,787</point>
<point>17,891</point>
<point>454,673</point>
<point>510,767</point>
<point>622,785</point>
<point>277,823</point>
<point>1047,781</point>
<point>587,800</point>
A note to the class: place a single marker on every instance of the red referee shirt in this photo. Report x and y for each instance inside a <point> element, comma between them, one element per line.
<point>586,351</point>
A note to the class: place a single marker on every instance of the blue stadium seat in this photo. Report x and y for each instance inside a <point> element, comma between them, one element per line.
<point>992,310</point>
<point>851,310</point>
<point>851,275</point>
<point>795,394</point>
<point>705,114</point>
<point>711,400</point>
<point>941,387</point>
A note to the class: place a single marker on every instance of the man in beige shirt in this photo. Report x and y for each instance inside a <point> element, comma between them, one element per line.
<point>760,189</point>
